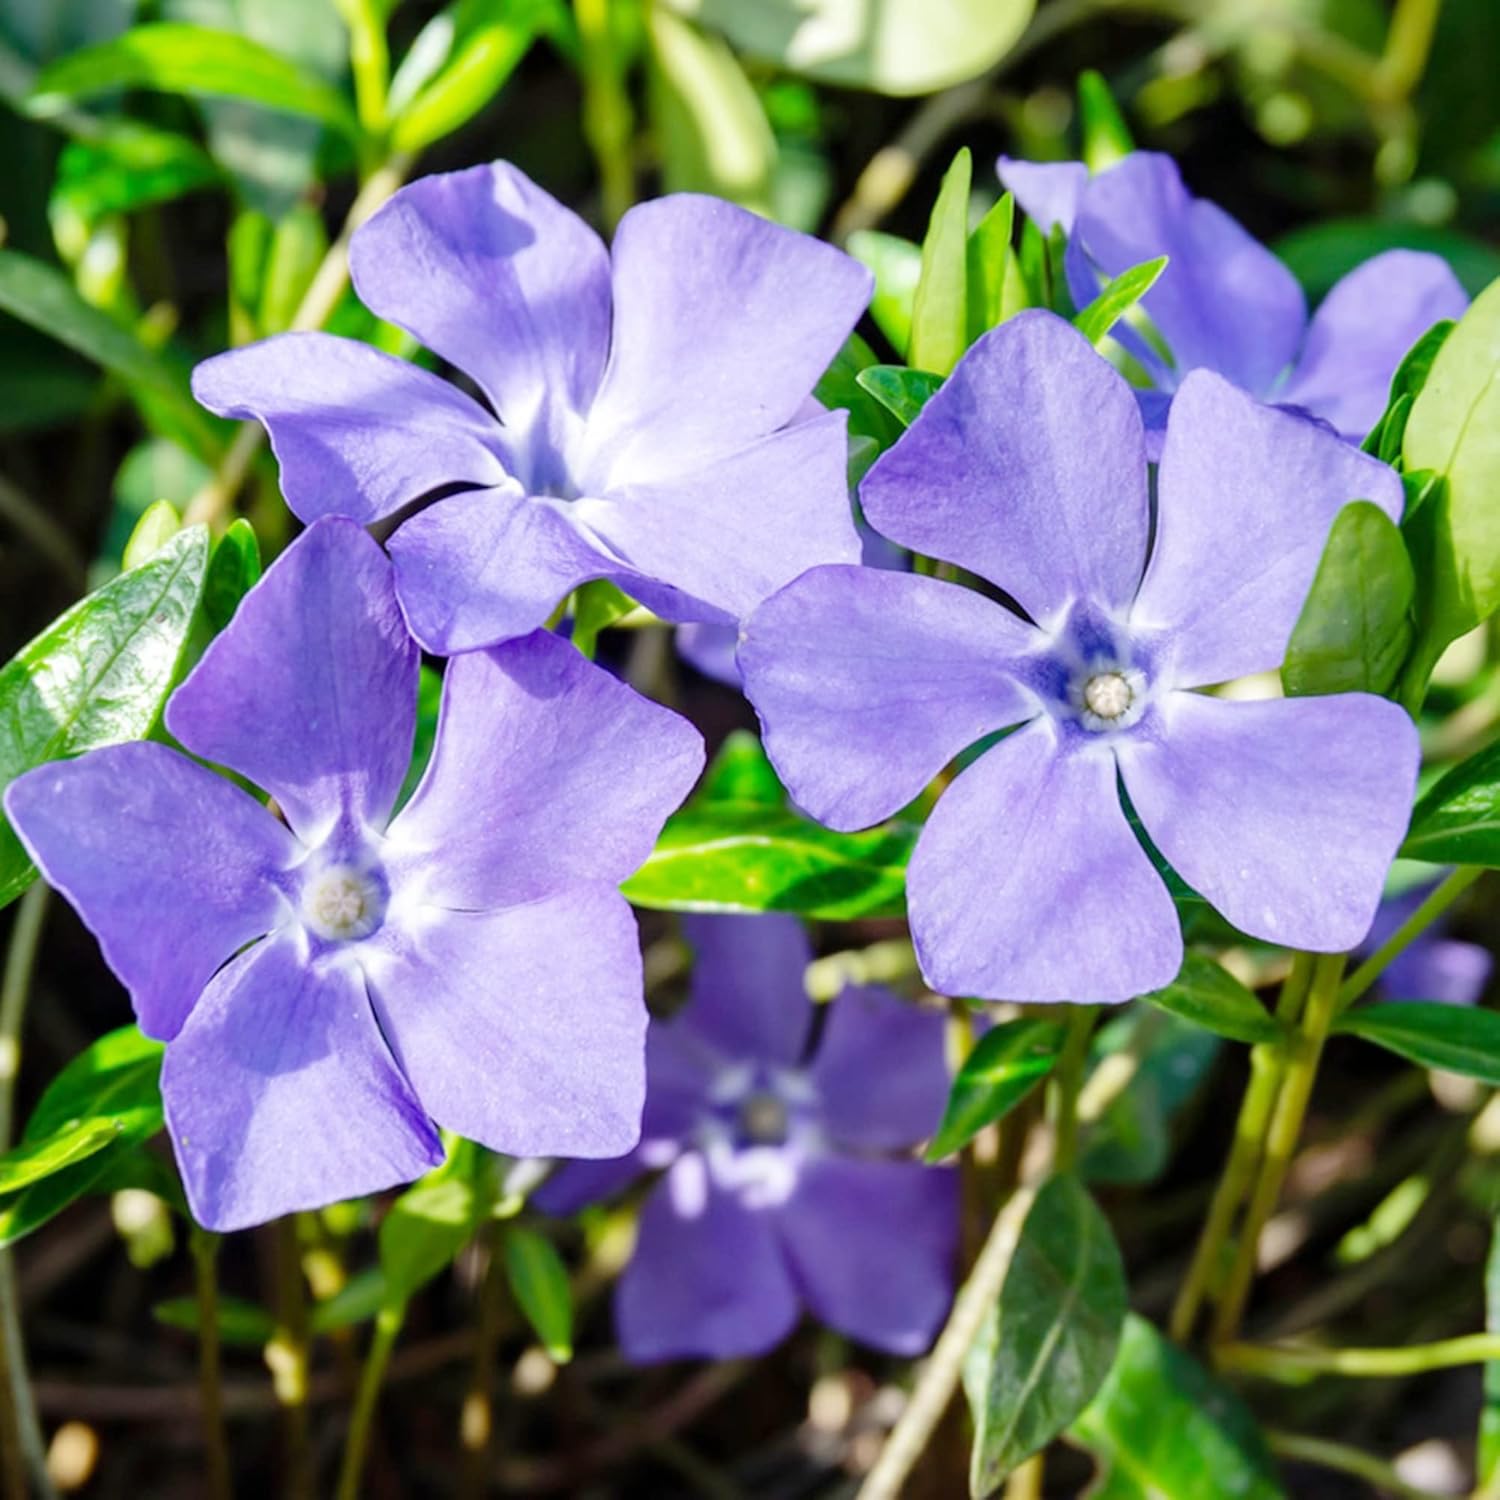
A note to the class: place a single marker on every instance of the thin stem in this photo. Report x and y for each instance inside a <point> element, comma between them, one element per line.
<point>940,1374</point>
<point>387,1327</point>
<point>1306,1050</point>
<point>1408,43</point>
<point>287,1356</point>
<point>1295,1362</point>
<point>369,60</point>
<point>210,1373</point>
<point>1344,1460</point>
<point>1438,901</point>
<point>477,1424</point>
<point>1235,1181</point>
<point>1067,1081</point>
<point>608,121</point>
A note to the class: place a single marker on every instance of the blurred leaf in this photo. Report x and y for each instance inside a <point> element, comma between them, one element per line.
<point>989,271</point>
<point>1322,253</point>
<point>889,46</point>
<point>98,675</point>
<point>1162,1428</point>
<point>126,167</point>
<point>1355,628</point>
<point>939,312</point>
<point>742,772</point>
<point>1211,997</point>
<point>158,524</point>
<point>155,469</point>
<point>896,265</point>
<point>41,384</point>
<point>902,392</point>
<point>1457,820</point>
<point>431,1222</point>
<point>357,1301</point>
<point>1007,1062</point>
<point>1051,1338</point>
<point>298,245</point>
<point>734,856</point>
<point>1106,136</point>
<point>1123,292</point>
<point>1455,1038</point>
<point>539,1282</point>
<point>241,1324</point>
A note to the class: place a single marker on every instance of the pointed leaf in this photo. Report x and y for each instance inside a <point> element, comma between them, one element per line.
<point>1453,1038</point>
<point>539,1283</point>
<point>989,268</point>
<point>1007,1062</point>
<point>896,265</point>
<point>1211,997</point>
<point>1122,293</point>
<point>1457,820</point>
<point>939,314</point>
<point>902,392</point>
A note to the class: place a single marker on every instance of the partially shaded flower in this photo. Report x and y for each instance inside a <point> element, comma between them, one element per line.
<point>1028,468</point>
<point>335,987</point>
<point>649,416</point>
<point>780,1189</point>
<point>1225,302</point>
<point>1432,967</point>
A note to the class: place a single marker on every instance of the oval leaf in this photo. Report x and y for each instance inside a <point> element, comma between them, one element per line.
<point>539,1282</point>
<point>1210,997</point>
<point>1454,1038</point>
<point>1007,1062</point>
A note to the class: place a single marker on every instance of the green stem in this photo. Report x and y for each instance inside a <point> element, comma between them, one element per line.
<point>1067,1081</point>
<point>1438,901</point>
<point>387,1327</point>
<point>608,121</point>
<point>1301,1072</point>
<point>210,1375</point>
<point>1293,1363</point>
<point>1266,1063</point>
<point>369,61</point>
<point>1408,44</point>
<point>1344,1460</point>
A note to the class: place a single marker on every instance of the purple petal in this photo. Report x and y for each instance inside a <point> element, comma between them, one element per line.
<point>881,1070</point>
<point>1027,883</point>
<point>738,530</point>
<point>1047,192</point>
<point>576,1184</point>
<point>546,772</point>
<point>311,690</point>
<point>1246,497</point>
<point>281,1094</point>
<point>873,1247</point>
<point>1361,333</point>
<point>1028,467</point>
<point>170,866</point>
<point>710,649</point>
<point>1439,968</point>
<point>357,433</point>
<point>521,1029</point>
<point>490,565</point>
<point>868,683</point>
<point>748,999</point>
<point>500,279</point>
<point>1224,301</point>
<point>723,324</point>
<point>1284,814</point>
<point>708,1278</point>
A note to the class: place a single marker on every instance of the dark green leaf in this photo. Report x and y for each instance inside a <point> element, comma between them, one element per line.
<point>1456,1038</point>
<point>1051,1338</point>
<point>1007,1062</point>
<point>539,1283</point>
<point>357,1301</point>
<point>902,392</point>
<point>742,772</point>
<point>1322,253</point>
<point>1209,996</point>
<point>869,418</point>
<point>116,1079</point>
<point>939,313</point>
<point>1162,1428</point>
<point>1123,292</point>
<point>233,571</point>
<point>1457,820</point>
<point>896,265</point>
<point>1487,1456</point>
<point>1386,438</point>
<point>242,1324</point>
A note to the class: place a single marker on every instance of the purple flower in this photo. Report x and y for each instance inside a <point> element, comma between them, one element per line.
<point>1225,302</point>
<point>334,988</point>
<point>780,1188</point>
<point>1434,966</point>
<point>1028,468</point>
<point>649,417</point>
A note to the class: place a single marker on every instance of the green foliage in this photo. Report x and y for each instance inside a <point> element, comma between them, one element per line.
<point>128,166</point>
<point>1051,1338</point>
<point>1321,253</point>
<point>597,605</point>
<point>1456,1038</point>
<point>1386,437</point>
<point>1007,1063</point>
<point>994,290</point>
<point>233,570</point>
<point>434,1219</point>
<point>1457,820</point>
<point>939,314</point>
<point>896,265</point>
<point>1106,136</point>
<point>1209,996</point>
<point>742,772</point>
<point>1123,292</point>
<point>539,1283</point>
<point>902,392</point>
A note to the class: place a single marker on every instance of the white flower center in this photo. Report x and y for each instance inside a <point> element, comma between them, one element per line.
<point>1108,695</point>
<point>342,903</point>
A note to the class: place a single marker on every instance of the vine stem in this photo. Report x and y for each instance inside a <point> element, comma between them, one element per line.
<point>1345,1460</point>
<point>1294,1362</point>
<point>387,1328</point>
<point>210,1374</point>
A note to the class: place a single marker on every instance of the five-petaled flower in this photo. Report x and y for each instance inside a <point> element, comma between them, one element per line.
<point>1028,468</point>
<point>781,1188</point>
<point>334,988</point>
<point>650,416</point>
<point>1225,302</point>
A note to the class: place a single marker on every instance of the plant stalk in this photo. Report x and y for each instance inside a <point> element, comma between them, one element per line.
<point>210,1373</point>
<point>387,1328</point>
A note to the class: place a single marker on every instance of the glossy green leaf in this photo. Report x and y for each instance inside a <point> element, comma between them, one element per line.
<point>1457,820</point>
<point>116,1079</point>
<point>1051,1338</point>
<point>741,771</point>
<point>434,1219</point>
<point>939,313</point>
<point>31,1161</point>
<point>896,265</point>
<point>539,1283</point>
<point>1355,628</point>
<point>242,1324</point>
<point>734,856</point>
<point>1211,997</point>
<point>872,428</point>
<point>98,675</point>
<point>1007,1062</point>
<point>233,570</point>
<point>1106,136</point>
<point>1162,1428</point>
<point>40,1203</point>
<point>178,58</point>
<point>1456,1038</point>
<point>990,274</point>
<point>1123,292</point>
<point>902,392</point>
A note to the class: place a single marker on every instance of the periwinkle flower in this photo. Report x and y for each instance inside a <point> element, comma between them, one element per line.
<point>781,1189</point>
<point>1225,302</point>
<point>1434,966</point>
<point>334,988</point>
<point>649,415</point>
<point>1028,468</point>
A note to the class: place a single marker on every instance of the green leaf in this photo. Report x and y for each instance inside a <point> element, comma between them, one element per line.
<point>1487,1455</point>
<point>1052,1336</point>
<point>1355,628</point>
<point>1457,820</point>
<point>116,1079</point>
<point>183,59</point>
<point>896,265</point>
<point>38,294</point>
<point>98,675</point>
<point>33,1160</point>
<point>596,605</point>
<point>432,1221</point>
<point>40,1203</point>
<point>902,392</point>
<point>158,524</point>
<point>1007,1062</point>
<point>742,857</point>
<point>989,270</point>
<point>539,1282</point>
<point>939,313</point>
<point>357,1301</point>
<point>1319,255</point>
<point>1106,136</point>
<point>429,707</point>
<point>872,428</point>
<point>1211,997</point>
<point>1455,1038</point>
<point>742,772</point>
<point>1453,431</point>
<point>233,570</point>
<point>128,166</point>
<point>1123,292</point>
<point>242,1324</point>
<point>1162,1428</point>
<point>1387,436</point>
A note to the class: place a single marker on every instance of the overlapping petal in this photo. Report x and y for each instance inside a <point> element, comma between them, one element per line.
<point>1047,192</point>
<point>310,691</point>
<point>171,867</point>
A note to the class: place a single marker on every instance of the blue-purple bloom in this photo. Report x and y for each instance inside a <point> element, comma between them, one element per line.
<point>649,415</point>
<point>335,987</point>
<point>1433,966</point>
<point>1028,468</point>
<point>1225,302</point>
<point>781,1188</point>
